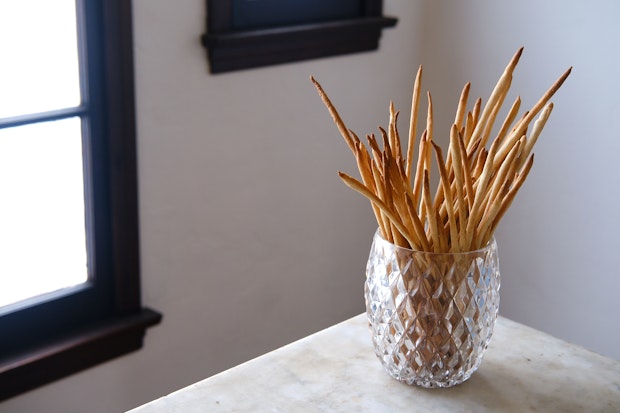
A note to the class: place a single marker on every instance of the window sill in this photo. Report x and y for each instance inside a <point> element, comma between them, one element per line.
<point>73,352</point>
<point>253,48</point>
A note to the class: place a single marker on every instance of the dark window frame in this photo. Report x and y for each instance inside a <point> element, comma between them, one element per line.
<point>231,49</point>
<point>104,318</point>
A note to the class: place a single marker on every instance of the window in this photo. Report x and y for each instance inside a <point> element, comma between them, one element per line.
<point>243,34</point>
<point>97,315</point>
<point>41,181</point>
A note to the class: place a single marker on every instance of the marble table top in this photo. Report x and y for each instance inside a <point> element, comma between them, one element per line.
<point>336,370</point>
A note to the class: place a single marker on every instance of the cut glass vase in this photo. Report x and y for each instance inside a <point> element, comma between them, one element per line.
<point>431,315</point>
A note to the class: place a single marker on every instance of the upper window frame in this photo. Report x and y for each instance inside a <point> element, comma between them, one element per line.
<point>230,49</point>
<point>104,318</point>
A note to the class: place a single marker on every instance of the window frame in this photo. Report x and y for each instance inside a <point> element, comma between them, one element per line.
<point>104,318</point>
<point>230,49</point>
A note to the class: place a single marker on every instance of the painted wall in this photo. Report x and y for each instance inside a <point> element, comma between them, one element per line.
<point>250,241</point>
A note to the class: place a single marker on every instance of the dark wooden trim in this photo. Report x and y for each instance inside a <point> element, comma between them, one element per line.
<point>229,49</point>
<point>80,327</point>
<point>123,174</point>
<point>374,7</point>
<point>255,48</point>
<point>73,351</point>
<point>219,16</point>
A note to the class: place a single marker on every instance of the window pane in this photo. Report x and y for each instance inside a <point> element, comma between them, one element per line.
<point>42,225</point>
<point>39,70</point>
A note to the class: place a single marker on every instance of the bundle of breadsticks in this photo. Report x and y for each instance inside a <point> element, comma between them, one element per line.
<point>478,176</point>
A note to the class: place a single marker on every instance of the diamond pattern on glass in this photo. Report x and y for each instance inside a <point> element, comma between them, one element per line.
<point>431,316</point>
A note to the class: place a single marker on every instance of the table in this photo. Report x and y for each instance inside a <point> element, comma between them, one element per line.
<point>336,370</point>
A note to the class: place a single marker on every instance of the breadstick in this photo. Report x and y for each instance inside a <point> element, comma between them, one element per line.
<point>447,194</point>
<point>364,164</point>
<point>504,171</point>
<point>379,193</point>
<point>458,121</point>
<point>443,244</point>
<point>477,211</point>
<point>510,117</point>
<point>490,121</point>
<point>498,93</point>
<point>541,103</point>
<point>507,200</point>
<point>418,226</point>
<point>476,113</point>
<point>359,187</point>
<point>387,148</point>
<point>469,128</point>
<point>462,107</point>
<point>487,219</point>
<point>397,185</point>
<point>467,171</point>
<point>413,121</point>
<point>480,160</point>
<point>536,130</point>
<point>417,185</point>
<point>344,131</point>
<point>460,185</point>
<point>430,215</point>
<point>374,147</point>
<point>393,132</point>
<point>429,117</point>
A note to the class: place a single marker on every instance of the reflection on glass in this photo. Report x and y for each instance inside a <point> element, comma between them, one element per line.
<point>39,67</point>
<point>42,225</point>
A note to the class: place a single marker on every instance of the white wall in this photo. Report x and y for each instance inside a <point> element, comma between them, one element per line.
<point>249,240</point>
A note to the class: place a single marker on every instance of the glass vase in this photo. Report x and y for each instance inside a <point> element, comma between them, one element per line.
<point>431,315</point>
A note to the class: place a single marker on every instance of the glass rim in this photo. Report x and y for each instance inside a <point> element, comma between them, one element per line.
<point>491,244</point>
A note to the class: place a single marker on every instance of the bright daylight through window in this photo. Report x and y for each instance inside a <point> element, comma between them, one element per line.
<point>42,218</point>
